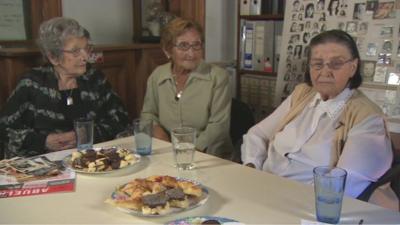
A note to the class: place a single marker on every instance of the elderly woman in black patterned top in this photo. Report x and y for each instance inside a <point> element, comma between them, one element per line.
<point>38,117</point>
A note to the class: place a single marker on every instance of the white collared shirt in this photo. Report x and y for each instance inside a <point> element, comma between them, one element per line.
<point>307,142</point>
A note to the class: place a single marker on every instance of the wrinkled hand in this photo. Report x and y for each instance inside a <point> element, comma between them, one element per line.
<point>61,141</point>
<point>159,132</point>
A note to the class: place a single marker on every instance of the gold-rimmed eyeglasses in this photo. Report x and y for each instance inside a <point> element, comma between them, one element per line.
<point>185,46</point>
<point>333,65</point>
<point>77,51</point>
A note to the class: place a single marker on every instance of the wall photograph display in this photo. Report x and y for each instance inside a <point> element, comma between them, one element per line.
<point>374,25</point>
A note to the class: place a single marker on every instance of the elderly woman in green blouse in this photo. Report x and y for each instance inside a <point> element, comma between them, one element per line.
<point>188,92</point>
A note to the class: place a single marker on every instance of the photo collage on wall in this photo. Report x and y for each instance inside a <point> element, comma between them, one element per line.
<point>374,25</point>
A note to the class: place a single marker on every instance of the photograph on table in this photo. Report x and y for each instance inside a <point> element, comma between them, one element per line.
<point>368,70</point>
<point>385,10</point>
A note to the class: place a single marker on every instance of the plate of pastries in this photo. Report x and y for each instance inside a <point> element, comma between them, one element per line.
<point>101,160</point>
<point>203,220</point>
<point>158,196</point>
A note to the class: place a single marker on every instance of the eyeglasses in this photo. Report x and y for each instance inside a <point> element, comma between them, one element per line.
<point>333,65</point>
<point>77,51</point>
<point>185,46</point>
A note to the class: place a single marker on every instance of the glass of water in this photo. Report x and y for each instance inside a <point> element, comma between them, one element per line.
<point>329,184</point>
<point>183,142</point>
<point>84,133</point>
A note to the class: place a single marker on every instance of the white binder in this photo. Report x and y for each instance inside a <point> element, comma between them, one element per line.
<point>255,7</point>
<point>245,7</point>
<point>259,39</point>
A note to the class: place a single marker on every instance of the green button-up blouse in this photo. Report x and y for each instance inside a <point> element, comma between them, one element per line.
<point>205,104</point>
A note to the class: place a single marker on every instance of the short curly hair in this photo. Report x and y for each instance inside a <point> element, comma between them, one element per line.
<point>175,28</point>
<point>53,34</point>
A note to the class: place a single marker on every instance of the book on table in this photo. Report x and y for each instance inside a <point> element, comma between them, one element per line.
<point>34,176</point>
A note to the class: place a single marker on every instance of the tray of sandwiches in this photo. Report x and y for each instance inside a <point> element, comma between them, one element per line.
<point>157,195</point>
<point>101,160</point>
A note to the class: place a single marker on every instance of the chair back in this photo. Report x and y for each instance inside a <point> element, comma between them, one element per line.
<point>242,120</point>
<point>392,176</point>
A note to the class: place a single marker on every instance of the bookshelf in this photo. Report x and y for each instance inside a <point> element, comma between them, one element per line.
<point>259,28</point>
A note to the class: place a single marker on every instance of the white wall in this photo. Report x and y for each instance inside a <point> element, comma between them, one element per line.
<point>107,21</point>
<point>111,22</point>
<point>221,17</point>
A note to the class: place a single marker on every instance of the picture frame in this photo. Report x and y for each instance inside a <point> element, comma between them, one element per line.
<point>149,18</point>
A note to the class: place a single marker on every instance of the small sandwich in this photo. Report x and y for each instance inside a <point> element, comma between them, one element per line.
<point>177,198</point>
<point>155,204</point>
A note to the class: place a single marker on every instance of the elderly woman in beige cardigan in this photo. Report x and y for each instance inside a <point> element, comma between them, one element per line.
<point>325,122</point>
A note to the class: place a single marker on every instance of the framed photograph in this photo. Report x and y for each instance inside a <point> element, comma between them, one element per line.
<point>380,74</point>
<point>149,18</point>
<point>371,49</point>
<point>385,10</point>
<point>386,32</point>
<point>368,70</point>
<point>394,78</point>
<point>387,46</point>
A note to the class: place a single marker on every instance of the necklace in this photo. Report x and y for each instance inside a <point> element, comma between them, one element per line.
<point>70,100</point>
<point>179,93</point>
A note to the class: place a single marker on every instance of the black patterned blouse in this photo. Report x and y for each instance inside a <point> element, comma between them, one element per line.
<point>37,108</point>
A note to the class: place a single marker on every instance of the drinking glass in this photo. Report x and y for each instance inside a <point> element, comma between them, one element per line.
<point>329,184</point>
<point>183,142</point>
<point>84,133</point>
<point>143,130</point>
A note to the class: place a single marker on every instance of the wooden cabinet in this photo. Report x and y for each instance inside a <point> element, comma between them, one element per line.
<point>127,68</point>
